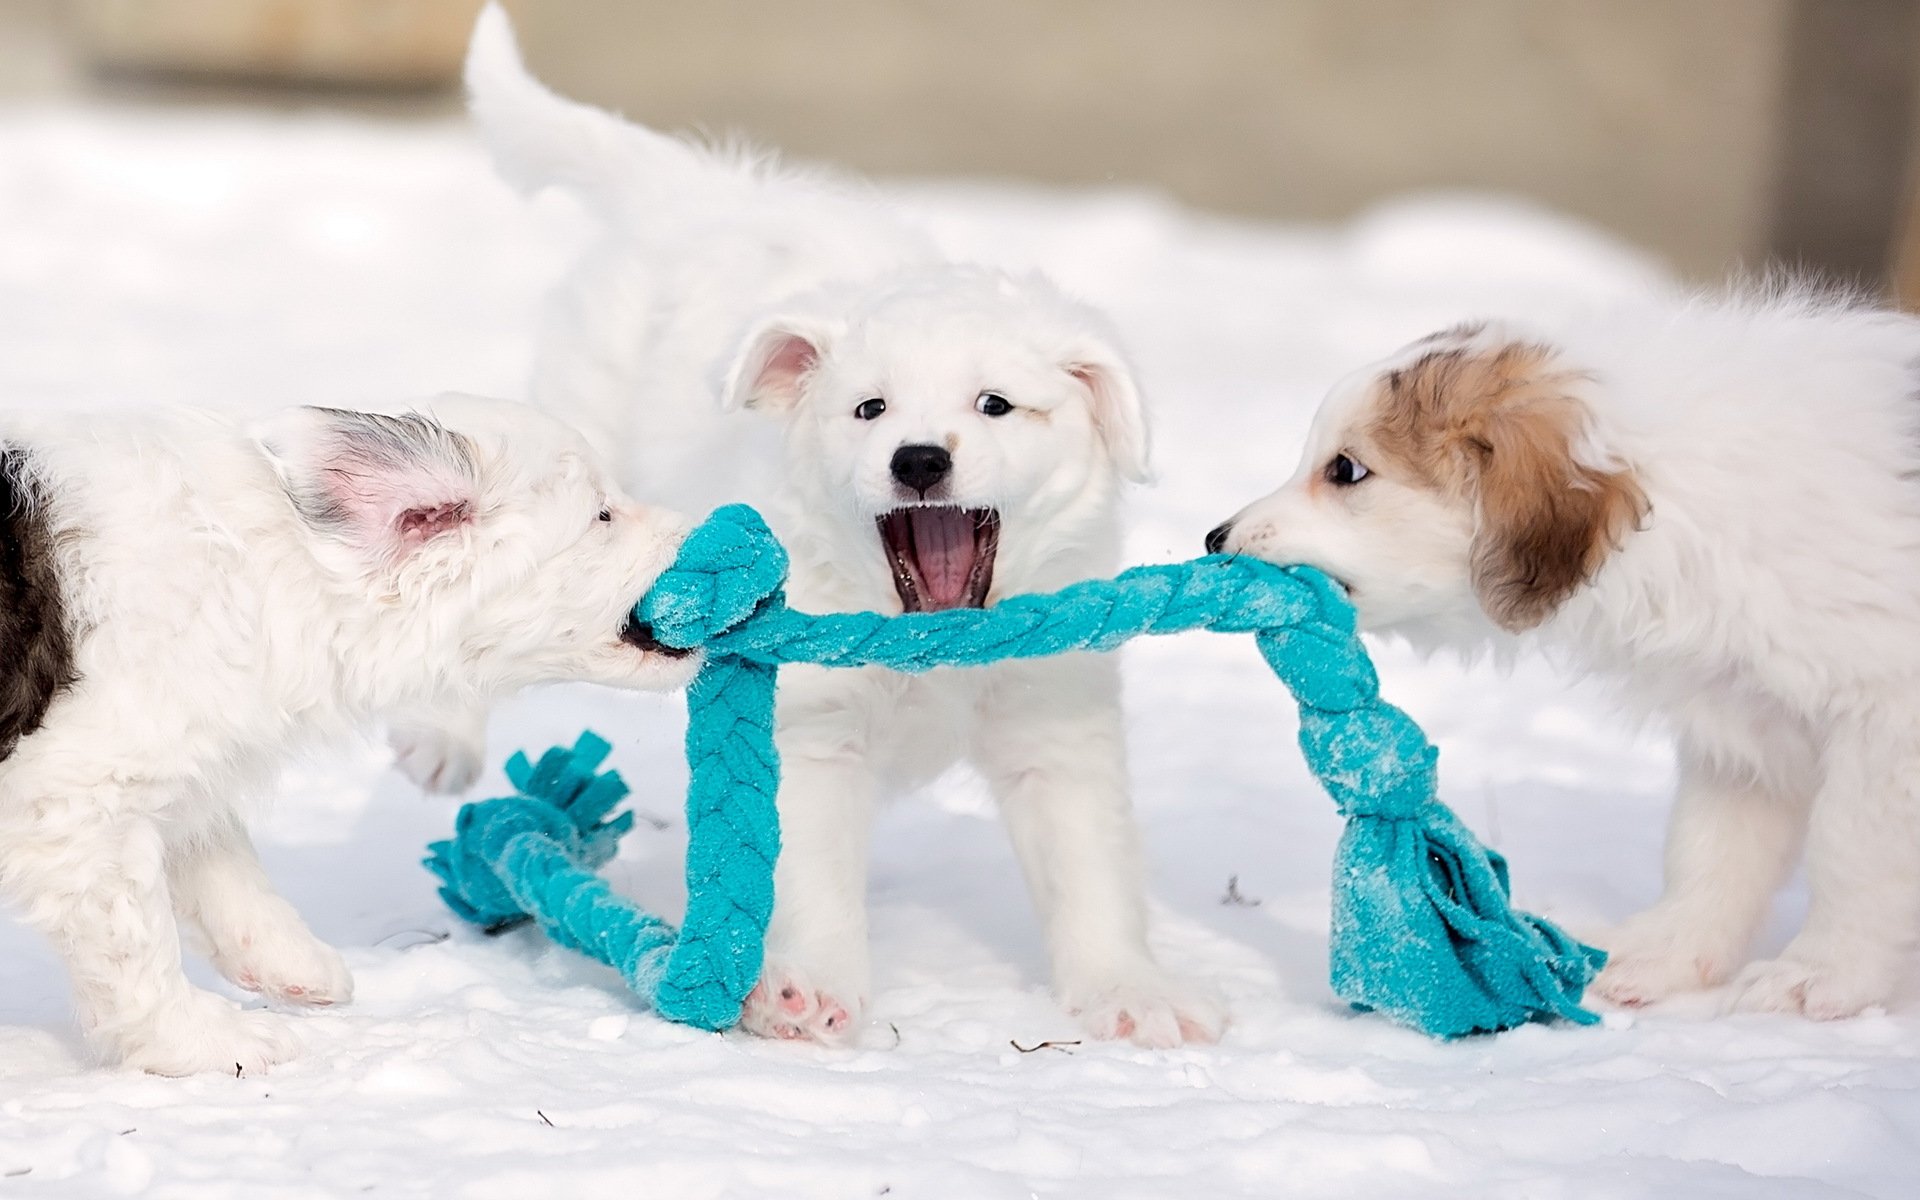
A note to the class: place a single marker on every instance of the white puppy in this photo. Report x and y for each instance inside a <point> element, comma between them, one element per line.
<point>183,604</point>
<point>922,435</point>
<point>1718,505</point>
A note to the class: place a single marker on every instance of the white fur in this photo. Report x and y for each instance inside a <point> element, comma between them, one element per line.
<point>1768,610</point>
<point>716,338</point>
<point>223,620</point>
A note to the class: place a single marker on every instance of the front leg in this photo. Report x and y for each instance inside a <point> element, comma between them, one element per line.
<point>817,976</point>
<point>1863,870</point>
<point>443,751</point>
<point>93,879</point>
<point>1049,740</point>
<point>1731,839</point>
<point>250,933</point>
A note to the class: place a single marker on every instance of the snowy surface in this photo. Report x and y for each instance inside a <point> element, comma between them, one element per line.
<point>249,261</point>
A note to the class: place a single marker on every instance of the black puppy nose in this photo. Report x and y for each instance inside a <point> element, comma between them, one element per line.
<point>1217,539</point>
<point>920,467</point>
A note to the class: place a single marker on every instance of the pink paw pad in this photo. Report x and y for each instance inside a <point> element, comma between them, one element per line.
<point>792,1012</point>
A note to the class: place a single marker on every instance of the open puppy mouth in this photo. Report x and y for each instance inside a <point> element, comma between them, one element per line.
<point>941,554</point>
<point>639,635</point>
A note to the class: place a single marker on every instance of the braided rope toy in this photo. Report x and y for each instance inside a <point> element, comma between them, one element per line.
<point>1421,928</point>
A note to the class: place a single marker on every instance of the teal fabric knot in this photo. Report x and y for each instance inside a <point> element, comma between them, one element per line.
<point>562,800</point>
<point>1422,927</point>
<point>1372,760</point>
<point>727,568</point>
<point>530,856</point>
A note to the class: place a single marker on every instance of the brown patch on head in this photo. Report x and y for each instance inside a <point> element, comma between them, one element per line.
<point>1497,427</point>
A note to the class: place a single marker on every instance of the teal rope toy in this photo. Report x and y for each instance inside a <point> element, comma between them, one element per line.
<point>1422,929</point>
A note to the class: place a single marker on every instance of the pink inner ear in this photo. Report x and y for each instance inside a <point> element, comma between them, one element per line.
<point>785,361</point>
<point>793,357</point>
<point>392,508</point>
<point>417,525</point>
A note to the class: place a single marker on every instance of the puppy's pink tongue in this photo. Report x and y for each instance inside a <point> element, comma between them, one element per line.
<point>943,550</point>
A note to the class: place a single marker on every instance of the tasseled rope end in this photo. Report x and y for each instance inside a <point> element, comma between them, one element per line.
<point>563,796</point>
<point>1422,930</point>
<point>1422,927</point>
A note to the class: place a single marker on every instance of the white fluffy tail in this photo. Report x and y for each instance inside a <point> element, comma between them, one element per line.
<point>539,139</point>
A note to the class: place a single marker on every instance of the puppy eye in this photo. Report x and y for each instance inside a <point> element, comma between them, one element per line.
<point>1344,472</point>
<point>606,514</point>
<point>993,404</point>
<point>867,410</point>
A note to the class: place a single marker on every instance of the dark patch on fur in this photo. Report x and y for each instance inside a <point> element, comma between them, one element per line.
<point>36,646</point>
<point>1431,374</point>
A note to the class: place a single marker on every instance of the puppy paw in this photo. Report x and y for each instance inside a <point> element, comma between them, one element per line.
<point>287,966</point>
<point>1636,982</point>
<point>1652,957</point>
<point>1824,991</point>
<point>787,1005</point>
<point>207,1034</point>
<point>1147,1007</point>
<point>438,760</point>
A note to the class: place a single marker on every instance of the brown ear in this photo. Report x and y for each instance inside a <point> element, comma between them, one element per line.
<point>1547,521</point>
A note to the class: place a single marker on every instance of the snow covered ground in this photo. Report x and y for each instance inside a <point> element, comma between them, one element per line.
<point>252,261</point>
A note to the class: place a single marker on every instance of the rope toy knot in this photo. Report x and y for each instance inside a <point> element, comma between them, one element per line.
<point>561,800</point>
<point>729,566</point>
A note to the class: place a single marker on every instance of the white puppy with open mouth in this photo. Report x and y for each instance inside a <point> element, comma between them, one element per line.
<point>185,604</point>
<point>1716,504</point>
<point>923,435</point>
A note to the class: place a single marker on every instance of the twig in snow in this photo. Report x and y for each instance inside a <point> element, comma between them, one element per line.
<point>238,1070</point>
<point>428,937</point>
<point>543,1117</point>
<point>1062,1047</point>
<point>1234,897</point>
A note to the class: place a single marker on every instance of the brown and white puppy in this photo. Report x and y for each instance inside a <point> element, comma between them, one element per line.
<point>1717,505</point>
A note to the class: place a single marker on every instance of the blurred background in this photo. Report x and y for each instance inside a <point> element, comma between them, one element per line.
<point>1719,134</point>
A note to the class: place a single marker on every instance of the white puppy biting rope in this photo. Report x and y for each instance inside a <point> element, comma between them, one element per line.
<point>185,603</point>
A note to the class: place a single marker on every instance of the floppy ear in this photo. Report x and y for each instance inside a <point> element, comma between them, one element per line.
<point>1117,410</point>
<point>385,486</point>
<point>772,367</point>
<point>1547,520</point>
